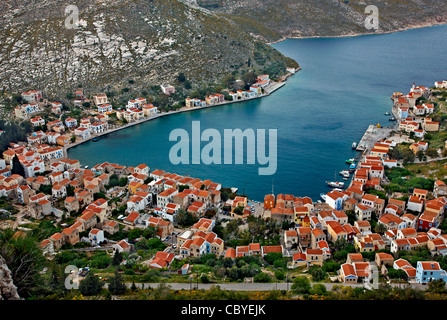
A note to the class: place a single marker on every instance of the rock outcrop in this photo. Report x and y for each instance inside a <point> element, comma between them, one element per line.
<point>8,291</point>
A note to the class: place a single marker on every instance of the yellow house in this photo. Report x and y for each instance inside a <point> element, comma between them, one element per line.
<point>217,246</point>
<point>239,202</point>
<point>314,256</point>
<point>300,213</point>
<point>133,186</point>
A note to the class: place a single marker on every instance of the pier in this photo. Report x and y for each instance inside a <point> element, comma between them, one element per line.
<point>372,134</point>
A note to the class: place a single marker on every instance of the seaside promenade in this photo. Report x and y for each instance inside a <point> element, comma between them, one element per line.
<point>371,136</point>
<point>267,91</point>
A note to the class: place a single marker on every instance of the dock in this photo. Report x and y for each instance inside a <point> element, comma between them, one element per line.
<point>371,136</point>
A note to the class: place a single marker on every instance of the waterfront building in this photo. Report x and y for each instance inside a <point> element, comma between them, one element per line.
<point>427,271</point>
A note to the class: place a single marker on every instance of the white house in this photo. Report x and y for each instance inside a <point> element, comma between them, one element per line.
<point>167,89</point>
<point>415,204</point>
<point>104,108</point>
<point>96,236</point>
<point>335,199</point>
<point>71,123</point>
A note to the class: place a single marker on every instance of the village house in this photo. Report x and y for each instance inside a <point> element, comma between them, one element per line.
<point>96,237</point>
<point>402,264</point>
<point>415,204</point>
<point>391,221</point>
<point>161,260</point>
<point>58,240</point>
<point>429,126</point>
<point>111,227</point>
<point>427,271</point>
<point>25,111</point>
<point>304,237</point>
<point>71,235</point>
<point>317,235</point>
<point>363,212</point>
<point>123,246</point>
<point>167,89</point>
<point>383,258</point>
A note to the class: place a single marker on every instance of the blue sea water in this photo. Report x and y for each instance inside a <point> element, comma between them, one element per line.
<point>344,86</point>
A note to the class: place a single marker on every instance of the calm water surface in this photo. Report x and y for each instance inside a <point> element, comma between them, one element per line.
<point>344,87</point>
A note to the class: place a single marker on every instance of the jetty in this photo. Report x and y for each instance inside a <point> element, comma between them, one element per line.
<point>372,134</point>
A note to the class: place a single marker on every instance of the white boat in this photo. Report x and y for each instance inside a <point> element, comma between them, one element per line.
<point>323,196</point>
<point>335,184</point>
<point>345,173</point>
<point>354,145</point>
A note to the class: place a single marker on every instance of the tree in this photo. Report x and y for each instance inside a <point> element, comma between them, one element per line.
<point>181,77</point>
<point>116,284</point>
<point>101,261</point>
<point>317,273</point>
<point>228,80</point>
<point>262,277</point>
<point>319,289</point>
<point>420,155</point>
<point>301,285</point>
<point>249,77</point>
<point>432,152</point>
<point>184,218</point>
<point>204,279</point>
<point>380,228</point>
<point>17,167</point>
<point>117,258</point>
<point>25,260</point>
<point>187,84</point>
<point>122,182</point>
<point>91,285</point>
<point>437,286</point>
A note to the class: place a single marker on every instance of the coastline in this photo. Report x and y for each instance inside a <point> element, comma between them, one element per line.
<point>276,86</point>
<point>352,35</point>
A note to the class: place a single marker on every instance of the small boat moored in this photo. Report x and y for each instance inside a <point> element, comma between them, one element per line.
<point>344,173</point>
<point>387,113</point>
<point>354,145</point>
<point>335,184</point>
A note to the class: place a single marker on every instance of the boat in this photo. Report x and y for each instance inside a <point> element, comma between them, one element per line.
<point>86,167</point>
<point>392,119</point>
<point>354,145</point>
<point>345,178</point>
<point>344,173</point>
<point>335,184</point>
<point>323,196</point>
<point>352,160</point>
<point>352,166</point>
<point>387,113</point>
<point>95,139</point>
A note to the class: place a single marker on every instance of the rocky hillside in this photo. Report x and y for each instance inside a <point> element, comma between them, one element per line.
<point>277,19</point>
<point>8,291</point>
<point>146,41</point>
